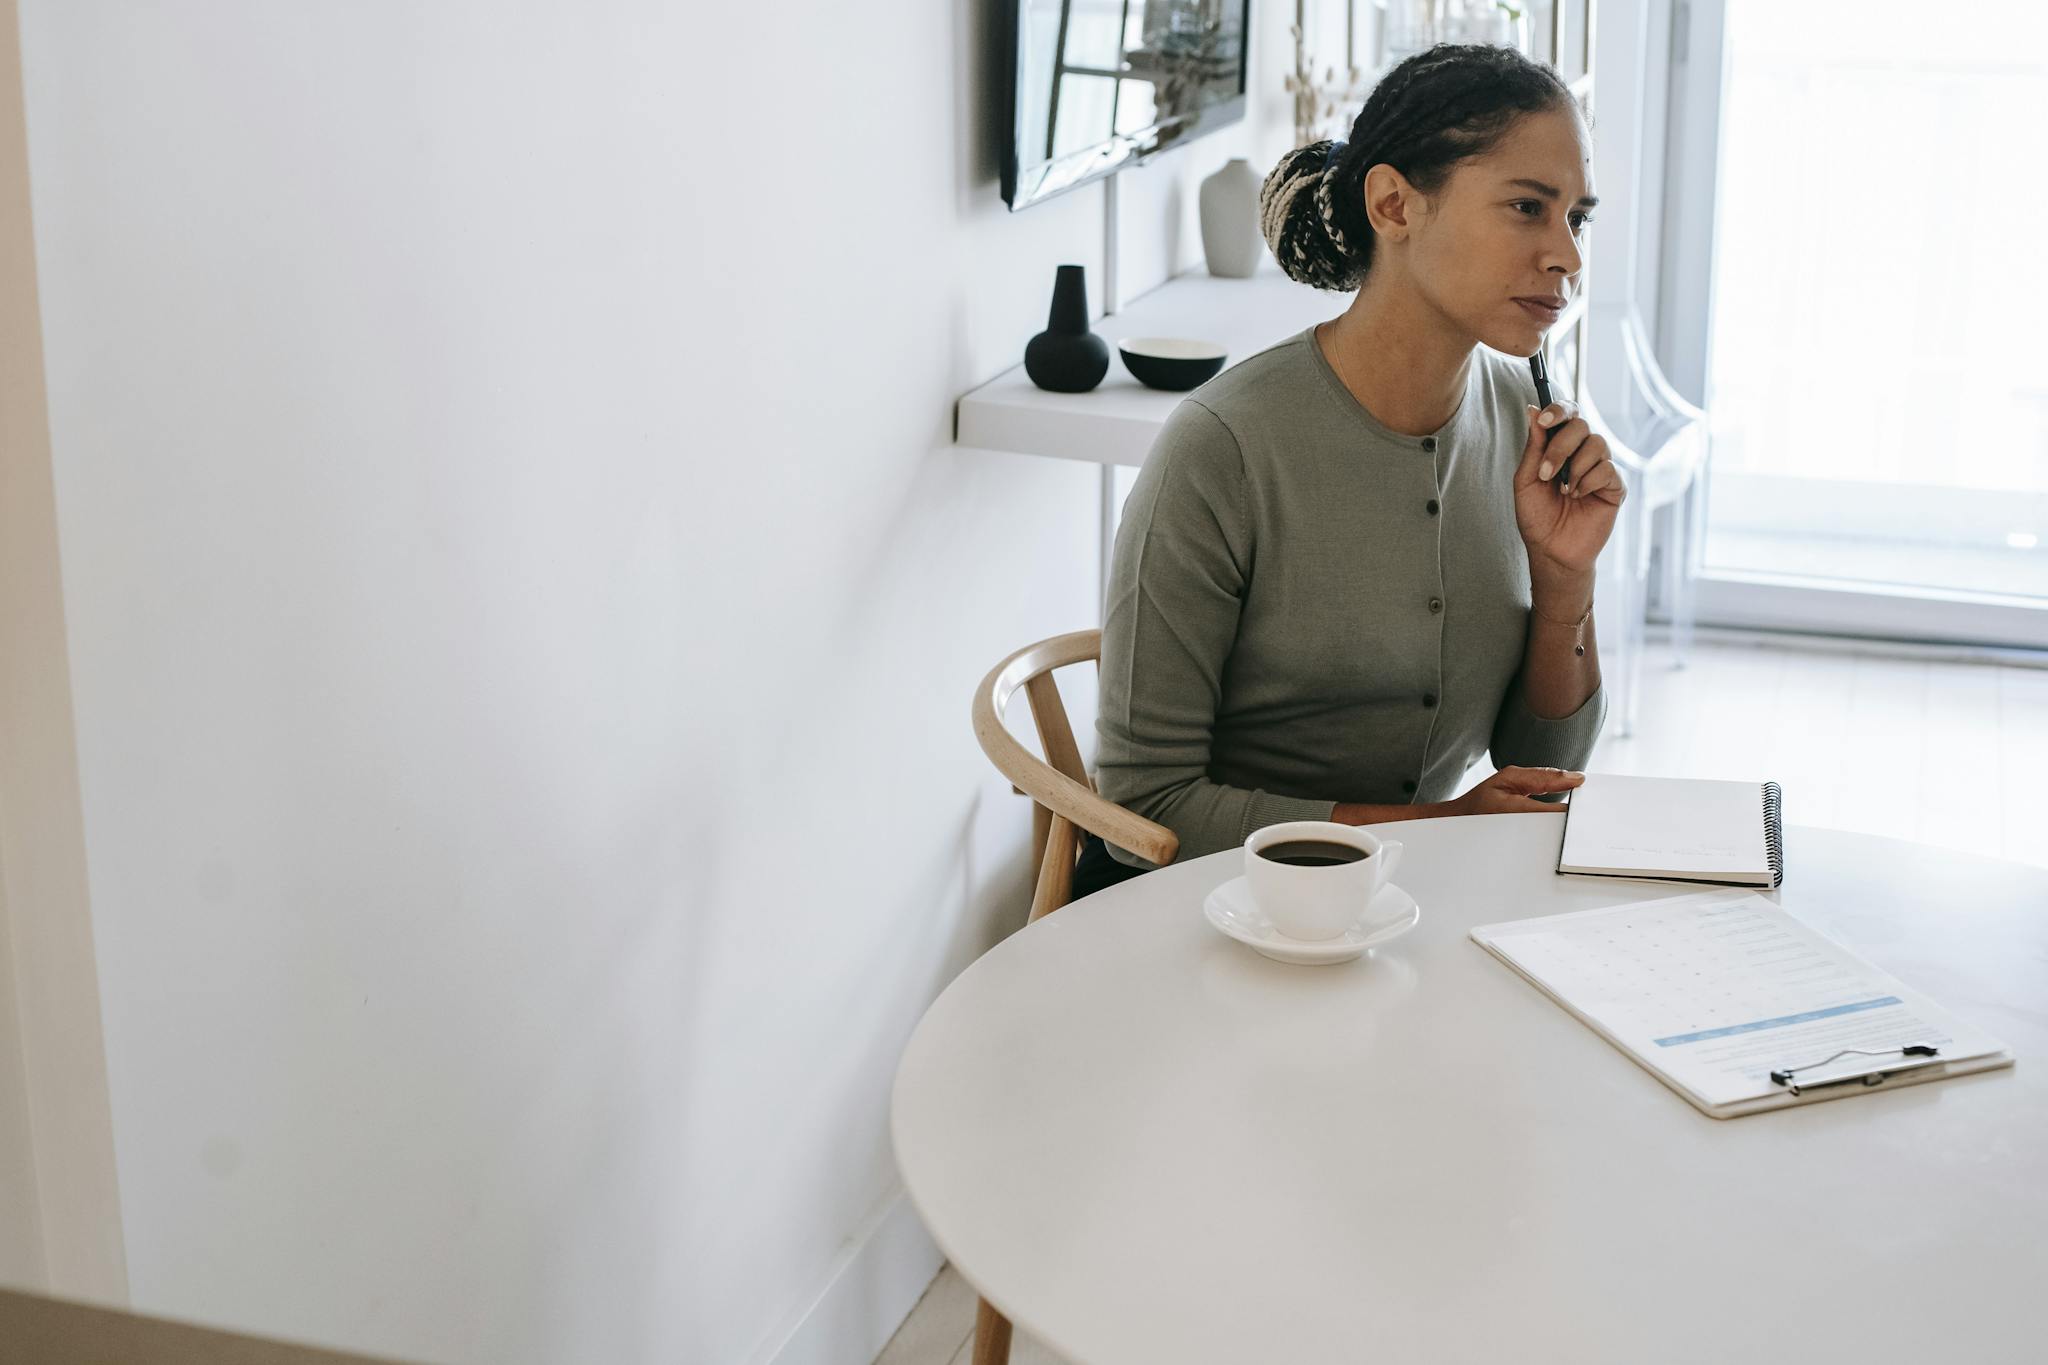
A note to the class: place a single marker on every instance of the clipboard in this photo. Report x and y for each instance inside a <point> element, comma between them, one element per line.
<point>1771,1012</point>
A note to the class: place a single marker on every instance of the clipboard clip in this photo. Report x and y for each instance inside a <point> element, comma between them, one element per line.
<point>1874,1076</point>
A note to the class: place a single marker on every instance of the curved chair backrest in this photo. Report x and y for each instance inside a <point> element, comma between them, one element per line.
<point>1648,375</point>
<point>1058,782</point>
<point>1657,438</point>
<point>1663,445</point>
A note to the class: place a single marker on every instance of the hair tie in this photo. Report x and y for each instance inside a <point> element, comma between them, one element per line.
<point>1336,151</point>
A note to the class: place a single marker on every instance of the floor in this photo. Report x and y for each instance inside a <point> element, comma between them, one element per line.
<point>940,1330</point>
<point>1946,753</point>
<point>1936,752</point>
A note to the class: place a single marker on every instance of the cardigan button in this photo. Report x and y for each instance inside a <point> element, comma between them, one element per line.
<point>1429,443</point>
<point>1409,787</point>
<point>1429,699</point>
<point>1436,604</point>
<point>1434,506</point>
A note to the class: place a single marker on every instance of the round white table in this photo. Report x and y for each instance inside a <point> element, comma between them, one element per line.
<point>1143,1142</point>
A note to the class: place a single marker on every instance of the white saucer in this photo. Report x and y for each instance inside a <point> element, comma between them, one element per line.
<point>1231,909</point>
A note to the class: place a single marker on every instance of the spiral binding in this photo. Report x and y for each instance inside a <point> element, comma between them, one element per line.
<point>1774,833</point>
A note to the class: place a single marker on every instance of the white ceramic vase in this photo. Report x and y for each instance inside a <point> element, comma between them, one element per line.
<point>1230,220</point>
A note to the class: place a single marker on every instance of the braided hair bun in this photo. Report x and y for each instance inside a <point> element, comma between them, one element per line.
<point>1439,107</point>
<point>1296,213</point>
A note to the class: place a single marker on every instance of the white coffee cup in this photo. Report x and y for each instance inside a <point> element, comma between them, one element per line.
<point>1318,902</point>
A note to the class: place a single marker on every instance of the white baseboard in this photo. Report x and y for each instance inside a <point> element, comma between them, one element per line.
<point>878,1277</point>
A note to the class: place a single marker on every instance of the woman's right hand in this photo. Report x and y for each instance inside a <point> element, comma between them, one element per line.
<point>1514,789</point>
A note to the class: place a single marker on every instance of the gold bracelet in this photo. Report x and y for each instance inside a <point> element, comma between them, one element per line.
<point>1559,621</point>
<point>1578,626</point>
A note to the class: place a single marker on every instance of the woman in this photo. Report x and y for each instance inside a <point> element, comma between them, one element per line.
<point>1349,567</point>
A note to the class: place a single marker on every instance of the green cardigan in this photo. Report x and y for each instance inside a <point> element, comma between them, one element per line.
<point>1306,607</point>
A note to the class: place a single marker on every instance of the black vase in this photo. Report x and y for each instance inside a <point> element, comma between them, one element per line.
<point>1066,357</point>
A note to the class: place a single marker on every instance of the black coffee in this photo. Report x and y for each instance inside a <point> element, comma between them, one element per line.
<point>1312,853</point>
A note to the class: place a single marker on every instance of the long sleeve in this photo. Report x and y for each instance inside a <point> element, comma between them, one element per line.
<point>1183,557</point>
<point>1521,738</point>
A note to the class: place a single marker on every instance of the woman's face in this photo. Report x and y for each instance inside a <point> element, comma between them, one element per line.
<point>1505,236</point>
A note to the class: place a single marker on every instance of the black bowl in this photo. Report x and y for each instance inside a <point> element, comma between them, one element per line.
<point>1172,363</point>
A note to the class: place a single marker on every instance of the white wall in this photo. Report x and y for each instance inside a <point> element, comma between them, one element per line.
<point>523,605</point>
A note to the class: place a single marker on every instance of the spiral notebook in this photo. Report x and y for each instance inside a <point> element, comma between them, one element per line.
<point>1679,829</point>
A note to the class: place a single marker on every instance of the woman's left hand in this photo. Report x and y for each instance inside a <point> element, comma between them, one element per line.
<point>1565,527</point>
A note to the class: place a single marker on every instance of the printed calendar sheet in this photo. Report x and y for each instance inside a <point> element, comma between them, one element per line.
<point>1712,992</point>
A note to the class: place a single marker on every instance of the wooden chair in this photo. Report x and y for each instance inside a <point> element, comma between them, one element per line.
<point>1063,804</point>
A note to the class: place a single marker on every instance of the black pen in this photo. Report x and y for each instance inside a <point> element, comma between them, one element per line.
<point>1542,377</point>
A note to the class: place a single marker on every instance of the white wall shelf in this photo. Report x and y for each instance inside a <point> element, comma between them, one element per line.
<point>1115,423</point>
